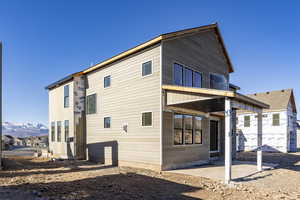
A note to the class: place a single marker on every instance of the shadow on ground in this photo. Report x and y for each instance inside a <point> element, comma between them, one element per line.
<point>116,184</point>
<point>27,167</point>
<point>289,161</point>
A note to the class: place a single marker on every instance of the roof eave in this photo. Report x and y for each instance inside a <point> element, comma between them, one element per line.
<point>231,68</point>
<point>62,81</point>
<point>145,45</point>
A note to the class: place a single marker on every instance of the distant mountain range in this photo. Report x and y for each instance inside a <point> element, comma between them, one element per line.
<point>24,129</point>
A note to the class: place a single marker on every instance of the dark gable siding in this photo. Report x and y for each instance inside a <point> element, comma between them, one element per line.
<point>201,52</point>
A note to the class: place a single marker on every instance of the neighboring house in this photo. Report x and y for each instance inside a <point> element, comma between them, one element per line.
<point>27,141</point>
<point>37,141</point>
<point>41,141</point>
<point>279,123</point>
<point>8,141</point>
<point>158,105</point>
<point>298,134</point>
<point>18,141</point>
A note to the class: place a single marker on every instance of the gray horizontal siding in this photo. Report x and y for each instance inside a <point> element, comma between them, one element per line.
<point>129,95</point>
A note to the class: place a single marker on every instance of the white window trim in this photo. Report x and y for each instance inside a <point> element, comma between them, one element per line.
<point>104,122</point>
<point>109,81</point>
<point>65,130</point>
<point>54,131</point>
<point>64,96</point>
<point>87,114</point>
<point>152,68</point>
<point>142,119</point>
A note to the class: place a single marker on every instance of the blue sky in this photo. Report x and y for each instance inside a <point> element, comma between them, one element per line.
<point>47,40</point>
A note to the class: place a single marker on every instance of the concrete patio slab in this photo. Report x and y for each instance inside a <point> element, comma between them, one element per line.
<point>216,170</point>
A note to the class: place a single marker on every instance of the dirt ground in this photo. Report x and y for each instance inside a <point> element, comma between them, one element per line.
<point>28,178</point>
<point>283,181</point>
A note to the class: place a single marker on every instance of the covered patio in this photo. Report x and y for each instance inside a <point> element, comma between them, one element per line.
<point>212,102</point>
<point>241,170</point>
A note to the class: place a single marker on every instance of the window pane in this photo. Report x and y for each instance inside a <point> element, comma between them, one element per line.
<point>52,131</point>
<point>91,104</point>
<point>197,80</point>
<point>106,122</point>
<point>198,121</point>
<point>147,119</point>
<point>178,74</point>
<point>198,136</point>
<point>66,102</point>
<point>218,81</point>
<point>66,96</point>
<point>106,81</point>
<point>188,121</point>
<point>188,136</point>
<point>246,121</point>
<point>66,90</point>
<point>66,130</point>
<point>178,136</point>
<point>178,121</point>
<point>188,132</point>
<point>147,68</point>
<point>276,119</point>
<point>188,77</point>
<point>58,131</point>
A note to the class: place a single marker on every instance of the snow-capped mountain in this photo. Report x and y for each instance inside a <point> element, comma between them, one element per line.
<point>24,129</point>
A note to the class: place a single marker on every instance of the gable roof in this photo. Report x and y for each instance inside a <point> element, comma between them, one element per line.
<point>278,99</point>
<point>150,43</point>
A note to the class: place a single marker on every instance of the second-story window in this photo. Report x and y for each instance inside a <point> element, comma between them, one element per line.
<point>58,131</point>
<point>178,74</point>
<point>147,68</point>
<point>188,77</point>
<point>107,81</point>
<point>197,79</point>
<point>91,104</point>
<point>218,81</point>
<point>66,96</point>
<point>184,76</point>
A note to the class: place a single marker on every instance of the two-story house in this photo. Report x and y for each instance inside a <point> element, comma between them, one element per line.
<point>279,123</point>
<point>163,104</point>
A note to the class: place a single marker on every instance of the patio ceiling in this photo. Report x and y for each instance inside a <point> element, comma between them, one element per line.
<point>208,105</point>
<point>208,100</point>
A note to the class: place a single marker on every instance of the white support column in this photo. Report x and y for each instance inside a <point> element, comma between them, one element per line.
<point>259,141</point>
<point>228,141</point>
